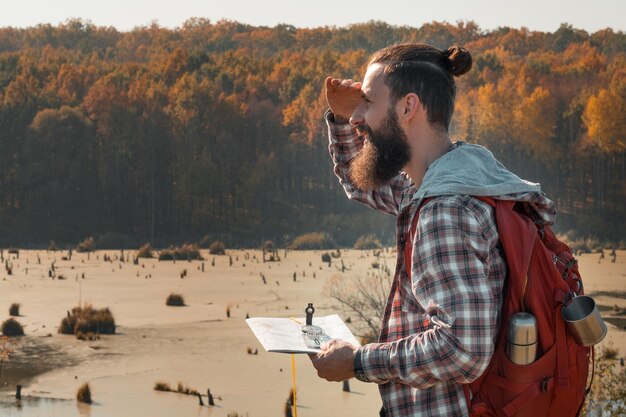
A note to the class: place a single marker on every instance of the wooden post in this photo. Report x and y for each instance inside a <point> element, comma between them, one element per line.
<point>18,392</point>
<point>288,412</point>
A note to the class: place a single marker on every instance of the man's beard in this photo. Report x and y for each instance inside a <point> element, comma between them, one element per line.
<point>383,157</point>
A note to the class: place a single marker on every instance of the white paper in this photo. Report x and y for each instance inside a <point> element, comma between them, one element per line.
<point>284,335</point>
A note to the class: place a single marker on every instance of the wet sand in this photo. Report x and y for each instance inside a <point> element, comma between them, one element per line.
<point>196,345</point>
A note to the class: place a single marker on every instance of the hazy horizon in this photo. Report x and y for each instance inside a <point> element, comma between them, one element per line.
<point>535,15</point>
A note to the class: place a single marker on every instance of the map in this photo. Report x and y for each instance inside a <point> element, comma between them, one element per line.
<point>286,335</point>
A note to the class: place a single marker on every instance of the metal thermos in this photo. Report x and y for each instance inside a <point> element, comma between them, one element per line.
<point>521,347</point>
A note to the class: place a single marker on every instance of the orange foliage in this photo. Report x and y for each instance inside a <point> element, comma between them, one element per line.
<point>535,122</point>
<point>605,121</point>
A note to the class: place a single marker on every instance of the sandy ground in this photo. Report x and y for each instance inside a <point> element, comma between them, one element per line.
<point>196,345</point>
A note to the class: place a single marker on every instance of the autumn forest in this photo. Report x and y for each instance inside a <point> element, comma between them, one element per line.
<point>215,128</point>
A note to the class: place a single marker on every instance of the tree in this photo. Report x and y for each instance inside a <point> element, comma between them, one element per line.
<point>59,171</point>
<point>535,123</point>
<point>604,117</point>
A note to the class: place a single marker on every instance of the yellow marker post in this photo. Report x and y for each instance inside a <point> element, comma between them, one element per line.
<point>293,374</point>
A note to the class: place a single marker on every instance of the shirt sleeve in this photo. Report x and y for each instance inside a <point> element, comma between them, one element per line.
<point>344,146</point>
<point>450,281</point>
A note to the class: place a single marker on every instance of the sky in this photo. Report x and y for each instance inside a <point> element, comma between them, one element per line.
<point>541,15</point>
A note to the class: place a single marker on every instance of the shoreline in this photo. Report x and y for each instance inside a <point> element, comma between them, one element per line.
<point>196,345</point>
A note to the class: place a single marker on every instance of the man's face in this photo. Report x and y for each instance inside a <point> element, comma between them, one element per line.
<point>386,150</point>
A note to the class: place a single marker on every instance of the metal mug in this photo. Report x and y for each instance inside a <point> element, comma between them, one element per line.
<point>583,321</point>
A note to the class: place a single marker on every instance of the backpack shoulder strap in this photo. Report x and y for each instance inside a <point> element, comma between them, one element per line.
<point>487,200</point>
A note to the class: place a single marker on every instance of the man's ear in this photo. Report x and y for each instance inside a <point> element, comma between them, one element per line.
<point>410,106</point>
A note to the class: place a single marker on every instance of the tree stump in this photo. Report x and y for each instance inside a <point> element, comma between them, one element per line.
<point>288,412</point>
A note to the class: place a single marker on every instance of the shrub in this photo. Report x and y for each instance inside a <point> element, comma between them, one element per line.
<point>12,327</point>
<point>84,394</point>
<point>175,300</point>
<point>608,388</point>
<point>364,297</point>
<point>186,252</point>
<point>14,310</point>
<point>326,257</point>
<point>162,386</point>
<point>87,245</point>
<point>580,244</point>
<point>217,248</point>
<point>181,389</point>
<point>610,352</point>
<point>145,251</point>
<point>88,319</point>
<point>315,240</point>
<point>367,242</point>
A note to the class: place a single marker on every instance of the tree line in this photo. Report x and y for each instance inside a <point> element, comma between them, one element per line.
<point>215,128</point>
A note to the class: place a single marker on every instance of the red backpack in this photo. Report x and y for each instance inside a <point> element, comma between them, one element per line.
<point>542,275</point>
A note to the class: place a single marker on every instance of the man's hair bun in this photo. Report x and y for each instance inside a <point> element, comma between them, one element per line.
<point>460,60</point>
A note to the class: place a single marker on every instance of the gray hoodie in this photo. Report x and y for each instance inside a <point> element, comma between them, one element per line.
<point>470,169</point>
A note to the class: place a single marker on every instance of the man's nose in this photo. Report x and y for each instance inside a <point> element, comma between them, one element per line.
<point>357,118</point>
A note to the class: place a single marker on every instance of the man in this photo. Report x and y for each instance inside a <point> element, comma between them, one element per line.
<point>391,150</point>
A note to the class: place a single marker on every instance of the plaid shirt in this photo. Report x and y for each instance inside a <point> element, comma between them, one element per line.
<point>440,327</point>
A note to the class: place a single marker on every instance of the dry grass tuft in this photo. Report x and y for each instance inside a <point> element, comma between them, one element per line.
<point>87,245</point>
<point>315,240</point>
<point>162,386</point>
<point>180,388</point>
<point>217,248</point>
<point>146,251</point>
<point>367,242</point>
<point>186,252</point>
<point>88,319</point>
<point>610,352</point>
<point>84,394</point>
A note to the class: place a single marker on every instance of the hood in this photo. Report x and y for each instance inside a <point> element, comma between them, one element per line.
<point>470,169</point>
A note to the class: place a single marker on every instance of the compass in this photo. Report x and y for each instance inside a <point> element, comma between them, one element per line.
<point>314,336</point>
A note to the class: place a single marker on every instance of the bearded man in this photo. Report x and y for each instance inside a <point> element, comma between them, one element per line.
<point>391,150</point>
